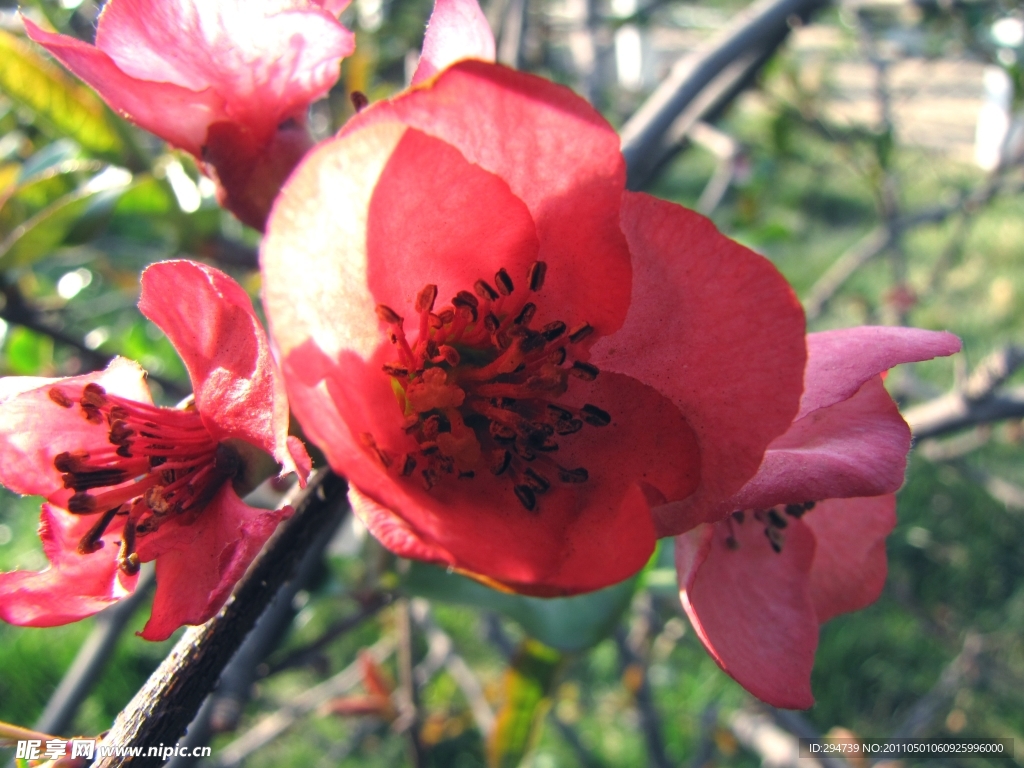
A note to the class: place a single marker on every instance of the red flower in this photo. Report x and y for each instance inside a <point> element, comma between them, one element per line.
<point>757,585</point>
<point>229,81</point>
<point>128,482</point>
<point>511,358</point>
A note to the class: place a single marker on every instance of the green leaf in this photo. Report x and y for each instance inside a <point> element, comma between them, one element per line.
<point>28,353</point>
<point>64,106</point>
<point>527,698</point>
<point>565,623</point>
<point>41,234</point>
<point>33,194</point>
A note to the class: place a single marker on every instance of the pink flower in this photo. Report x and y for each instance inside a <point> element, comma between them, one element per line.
<point>229,81</point>
<point>757,585</point>
<point>511,358</point>
<point>127,482</point>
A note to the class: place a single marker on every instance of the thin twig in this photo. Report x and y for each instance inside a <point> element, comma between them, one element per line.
<point>650,723</point>
<point>408,721</point>
<point>161,710</point>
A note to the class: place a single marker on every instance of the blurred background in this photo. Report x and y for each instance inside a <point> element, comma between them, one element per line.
<point>870,148</point>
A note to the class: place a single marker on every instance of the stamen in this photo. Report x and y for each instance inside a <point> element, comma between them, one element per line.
<point>552,331</point>
<point>504,282</point>
<point>484,291</point>
<point>580,332</point>
<point>425,298</point>
<point>578,475</point>
<point>127,557</point>
<point>91,542</point>
<point>584,371</point>
<point>93,396</point>
<point>595,416</point>
<point>776,520</point>
<point>526,497</point>
<point>388,315</point>
<point>535,277</point>
<point>536,481</point>
<point>59,396</point>
<point>526,314</point>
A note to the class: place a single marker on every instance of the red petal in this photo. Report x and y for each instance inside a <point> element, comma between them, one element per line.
<point>266,59</point>
<point>715,328</point>
<point>210,321</point>
<point>751,606</point>
<point>557,154</point>
<point>457,30</point>
<point>74,586</point>
<point>839,362</point>
<point>34,429</point>
<point>857,447</point>
<point>198,564</point>
<point>849,566</point>
<point>175,113</point>
<point>430,215</point>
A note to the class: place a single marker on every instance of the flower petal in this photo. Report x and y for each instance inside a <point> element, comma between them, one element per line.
<point>715,328</point>
<point>210,321</point>
<point>176,113</point>
<point>457,30</point>
<point>199,562</point>
<point>839,362</point>
<point>557,154</point>
<point>856,447</point>
<point>849,566</point>
<point>74,586</point>
<point>267,59</point>
<point>34,429</point>
<point>751,606</point>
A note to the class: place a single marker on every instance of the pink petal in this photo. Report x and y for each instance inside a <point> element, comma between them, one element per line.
<point>557,155</point>
<point>74,586</point>
<point>457,30</point>
<point>751,606</point>
<point>856,447</point>
<point>849,566</point>
<point>210,321</point>
<point>198,563</point>
<point>34,429</point>
<point>717,329</point>
<point>178,114</point>
<point>839,362</point>
<point>267,59</point>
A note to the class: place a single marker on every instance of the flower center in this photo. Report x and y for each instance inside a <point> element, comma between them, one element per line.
<point>480,386</point>
<point>774,522</point>
<point>159,463</point>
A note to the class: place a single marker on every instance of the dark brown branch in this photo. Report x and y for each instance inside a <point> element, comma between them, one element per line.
<point>161,710</point>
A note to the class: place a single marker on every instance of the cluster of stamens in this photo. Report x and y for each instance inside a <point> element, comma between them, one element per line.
<point>158,463</point>
<point>774,522</point>
<point>480,388</point>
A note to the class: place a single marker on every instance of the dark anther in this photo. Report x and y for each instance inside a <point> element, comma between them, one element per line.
<point>536,481</point>
<point>562,413</point>
<point>429,478</point>
<point>469,475</point>
<point>81,504</point>
<point>491,322</point>
<point>426,297</point>
<point>776,519</point>
<point>523,451</point>
<point>532,341</point>
<point>558,356</point>
<point>91,541</point>
<point>156,461</point>
<point>125,451</point>
<point>502,433</point>
<point>738,516</point>
<point>504,282</point>
<point>535,277</point>
<point>553,330</point>
<point>359,100</point>
<point>774,538</point>
<point>578,475</point>
<point>370,443</point>
<point>731,543</point>
<point>446,316</point>
<point>93,396</point>
<point>465,299</point>
<point>408,465</point>
<point>595,416</point>
<point>504,458</point>
<point>543,443</point>
<point>526,313</point>
<point>60,397</point>
<point>92,414</point>
<point>432,349</point>
<point>526,497</point>
<point>580,332</point>
<point>809,505</point>
<point>98,478</point>
<point>127,558</point>
<point>119,433</point>
<point>65,462</point>
<point>395,370</point>
<point>484,291</point>
<point>117,413</point>
<point>584,371</point>
<point>795,510</point>
<point>568,426</point>
<point>388,315</point>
